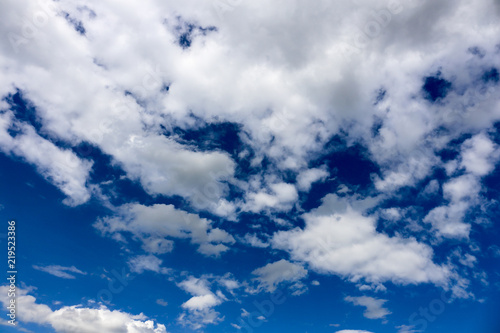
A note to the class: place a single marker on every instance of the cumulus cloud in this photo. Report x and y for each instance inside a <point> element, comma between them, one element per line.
<point>59,166</point>
<point>154,225</point>
<point>374,307</point>
<point>139,264</point>
<point>290,86</point>
<point>200,307</point>
<point>281,197</point>
<point>478,157</point>
<point>273,274</point>
<point>60,271</point>
<point>340,240</point>
<point>80,319</point>
<point>306,178</point>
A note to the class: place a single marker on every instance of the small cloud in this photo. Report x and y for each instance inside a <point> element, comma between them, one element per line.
<point>271,275</point>
<point>315,283</point>
<point>495,251</point>
<point>342,189</point>
<point>254,241</point>
<point>161,302</point>
<point>406,329</point>
<point>374,307</point>
<point>142,263</point>
<point>60,271</point>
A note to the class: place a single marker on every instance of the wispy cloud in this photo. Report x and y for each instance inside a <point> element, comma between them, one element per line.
<point>60,271</point>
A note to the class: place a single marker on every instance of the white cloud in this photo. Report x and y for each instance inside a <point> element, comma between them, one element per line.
<point>340,240</point>
<point>353,331</point>
<point>161,302</point>
<point>290,87</point>
<point>157,222</point>
<point>59,166</point>
<point>254,240</point>
<point>448,220</point>
<point>281,197</point>
<point>407,329</point>
<point>141,263</point>
<point>165,167</point>
<point>306,178</point>
<point>273,274</point>
<point>195,286</point>
<point>200,307</point>
<point>79,319</point>
<point>60,271</point>
<point>374,307</point>
<point>479,155</point>
<point>200,303</point>
<point>290,94</point>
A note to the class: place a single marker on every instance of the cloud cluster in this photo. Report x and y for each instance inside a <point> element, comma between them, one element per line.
<point>286,81</point>
<point>155,225</point>
<point>477,158</point>
<point>59,166</point>
<point>404,79</point>
<point>78,318</point>
<point>200,307</point>
<point>338,239</point>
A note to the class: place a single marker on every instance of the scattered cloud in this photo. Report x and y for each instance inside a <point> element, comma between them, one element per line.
<point>337,239</point>
<point>80,319</point>
<point>407,329</point>
<point>142,263</point>
<point>161,302</point>
<point>374,307</point>
<point>60,271</point>
<point>61,167</point>
<point>271,275</point>
<point>153,225</point>
<point>200,307</point>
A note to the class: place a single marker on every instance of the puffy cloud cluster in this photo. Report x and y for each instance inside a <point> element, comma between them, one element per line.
<point>338,239</point>
<point>59,166</point>
<point>78,318</point>
<point>402,78</point>
<point>288,82</point>
<point>155,225</point>
<point>200,307</point>
<point>477,158</point>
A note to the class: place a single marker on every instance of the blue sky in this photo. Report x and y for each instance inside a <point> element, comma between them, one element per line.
<point>233,166</point>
